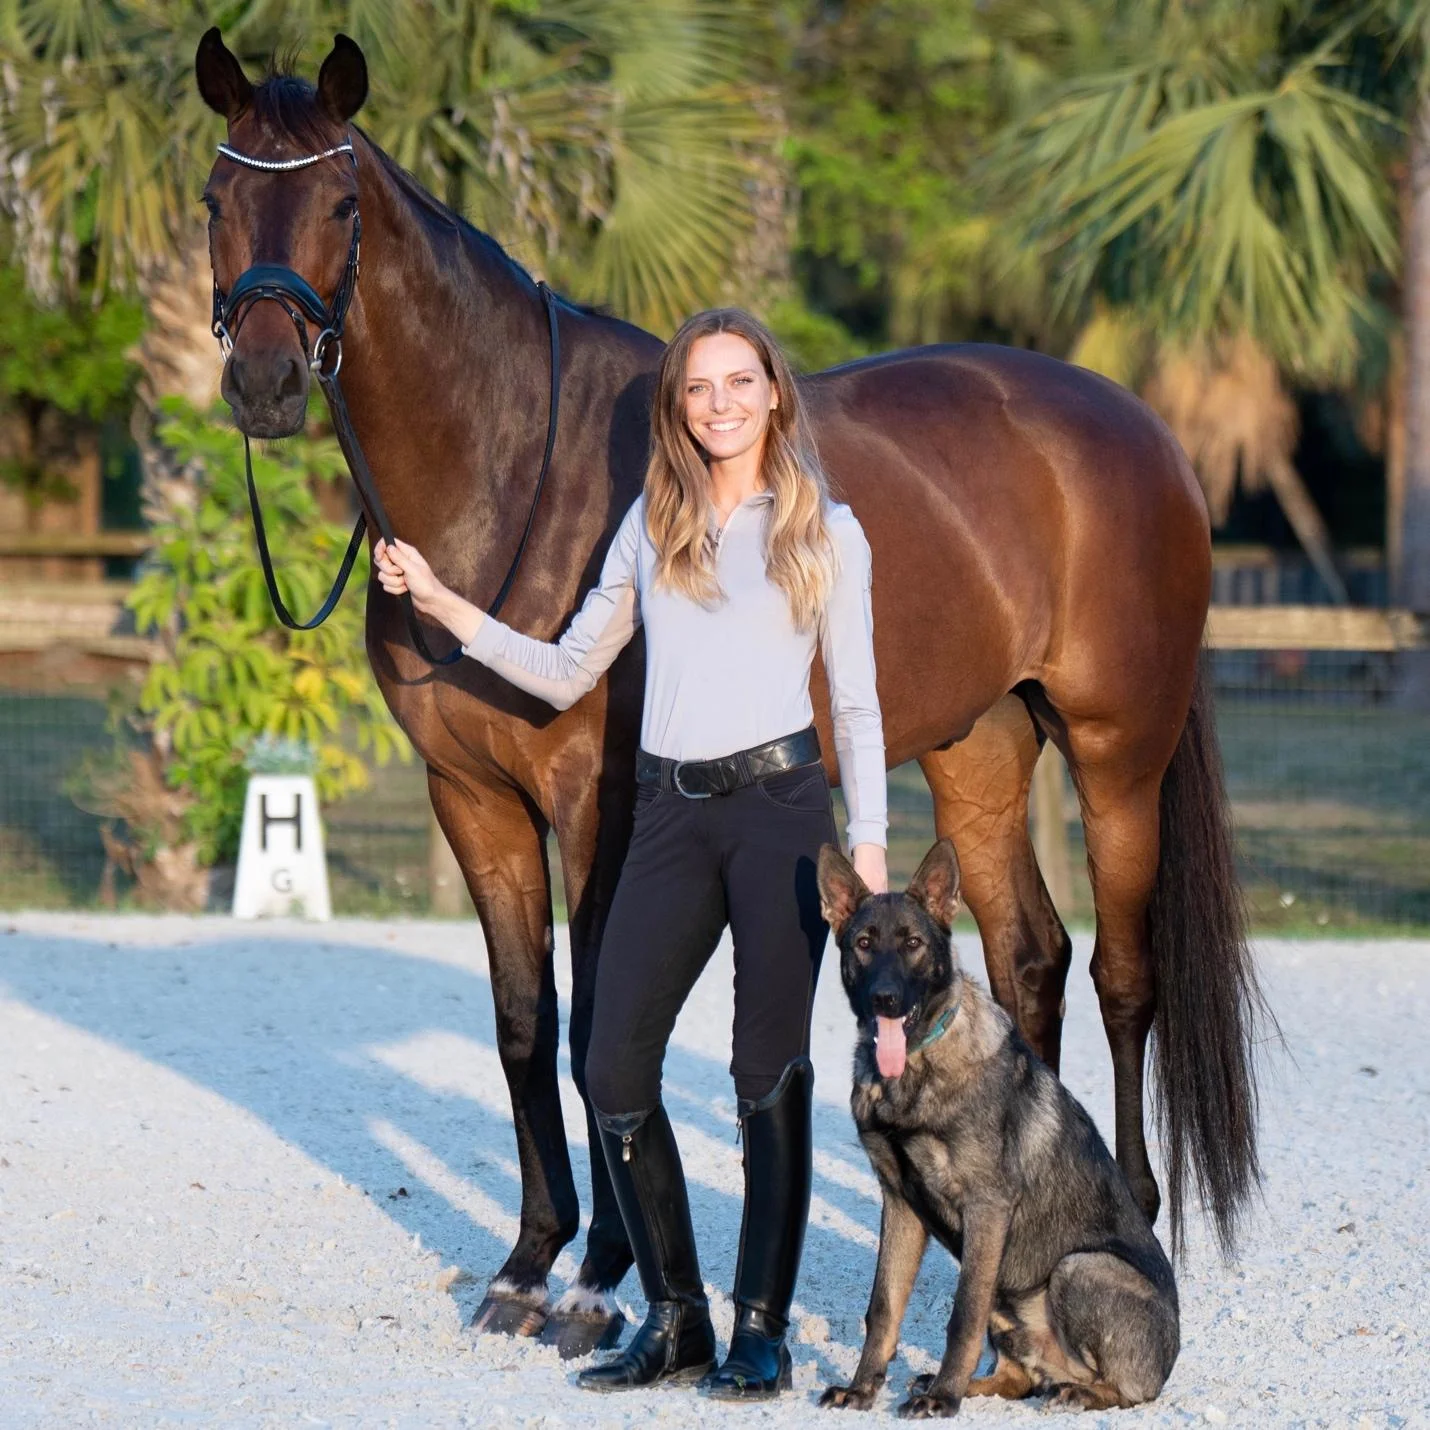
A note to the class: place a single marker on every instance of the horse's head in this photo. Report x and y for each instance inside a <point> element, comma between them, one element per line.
<point>301,219</point>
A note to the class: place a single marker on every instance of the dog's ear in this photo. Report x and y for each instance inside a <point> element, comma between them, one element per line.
<point>841,890</point>
<point>222,82</point>
<point>936,884</point>
<point>342,81</point>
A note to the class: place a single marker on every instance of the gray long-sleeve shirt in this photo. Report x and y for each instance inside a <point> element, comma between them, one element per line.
<point>729,676</point>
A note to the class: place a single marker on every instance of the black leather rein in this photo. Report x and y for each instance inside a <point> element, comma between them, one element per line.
<point>273,283</point>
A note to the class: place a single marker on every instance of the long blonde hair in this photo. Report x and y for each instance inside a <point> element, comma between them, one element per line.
<point>799,554</point>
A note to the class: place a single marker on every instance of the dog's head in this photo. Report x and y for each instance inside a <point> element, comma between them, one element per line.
<point>896,954</point>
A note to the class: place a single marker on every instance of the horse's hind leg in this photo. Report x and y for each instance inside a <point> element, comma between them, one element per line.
<point>980,792</point>
<point>499,842</point>
<point>1119,785</point>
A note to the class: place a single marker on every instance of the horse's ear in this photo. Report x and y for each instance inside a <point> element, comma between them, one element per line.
<point>222,82</point>
<point>936,883</point>
<point>342,81</point>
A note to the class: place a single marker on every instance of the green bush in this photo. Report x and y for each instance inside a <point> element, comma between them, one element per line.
<point>231,676</point>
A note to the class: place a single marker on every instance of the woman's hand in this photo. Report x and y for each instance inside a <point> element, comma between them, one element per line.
<point>871,863</point>
<point>401,567</point>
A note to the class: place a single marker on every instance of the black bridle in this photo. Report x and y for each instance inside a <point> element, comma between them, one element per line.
<point>271,282</point>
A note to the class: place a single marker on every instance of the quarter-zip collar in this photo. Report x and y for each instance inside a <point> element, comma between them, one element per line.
<point>717,532</point>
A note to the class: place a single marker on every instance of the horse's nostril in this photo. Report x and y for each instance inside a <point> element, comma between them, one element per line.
<point>238,376</point>
<point>291,384</point>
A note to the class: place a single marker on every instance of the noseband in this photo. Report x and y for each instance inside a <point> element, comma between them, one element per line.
<point>271,282</point>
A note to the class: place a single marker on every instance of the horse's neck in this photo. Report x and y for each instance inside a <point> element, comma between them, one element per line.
<point>447,375</point>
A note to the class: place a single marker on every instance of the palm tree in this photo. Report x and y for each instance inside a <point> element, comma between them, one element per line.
<point>609,143</point>
<point>1213,200</point>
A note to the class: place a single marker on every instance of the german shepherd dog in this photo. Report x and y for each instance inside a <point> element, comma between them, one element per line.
<point>976,1143</point>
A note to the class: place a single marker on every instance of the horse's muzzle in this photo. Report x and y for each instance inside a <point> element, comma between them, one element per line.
<point>268,394</point>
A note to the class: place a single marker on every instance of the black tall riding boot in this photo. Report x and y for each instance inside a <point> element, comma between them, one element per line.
<point>676,1340</point>
<point>778,1160</point>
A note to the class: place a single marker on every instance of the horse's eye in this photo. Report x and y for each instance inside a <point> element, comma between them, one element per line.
<point>211,204</point>
<point>345,208</point>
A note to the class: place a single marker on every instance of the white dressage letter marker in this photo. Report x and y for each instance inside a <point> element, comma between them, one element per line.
<point>282,871</point>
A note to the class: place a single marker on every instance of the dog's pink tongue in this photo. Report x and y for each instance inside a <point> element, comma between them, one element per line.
<point>891,1047</point>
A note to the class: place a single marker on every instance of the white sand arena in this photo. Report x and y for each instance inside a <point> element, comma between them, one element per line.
<point>256,1175</point>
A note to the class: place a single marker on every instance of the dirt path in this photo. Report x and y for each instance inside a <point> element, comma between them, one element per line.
<point>257,1175</point>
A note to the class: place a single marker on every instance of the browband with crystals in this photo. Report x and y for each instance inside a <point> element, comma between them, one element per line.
<point>346,147</point>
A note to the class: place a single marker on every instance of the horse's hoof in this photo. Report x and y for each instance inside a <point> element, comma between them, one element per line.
<point>580,1334</point>
<point>511,1313</point>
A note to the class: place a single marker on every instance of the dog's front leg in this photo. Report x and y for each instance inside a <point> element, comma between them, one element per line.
<point>985,1229</point>
<point>902,1239</point>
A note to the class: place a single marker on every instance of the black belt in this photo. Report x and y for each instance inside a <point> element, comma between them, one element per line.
<point>699,779</point>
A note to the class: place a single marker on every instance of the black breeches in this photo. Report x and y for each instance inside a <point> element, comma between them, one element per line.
<point>746,859</point>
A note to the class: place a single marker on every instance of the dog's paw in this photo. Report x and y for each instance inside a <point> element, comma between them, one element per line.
<point>923,1404</point>
<point>848,1397</point>
<point>921,1384</point>
<point>1078,1397</point>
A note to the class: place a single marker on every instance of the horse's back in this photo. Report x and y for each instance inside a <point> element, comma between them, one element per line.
<point>981,406</point>
<point>1028,515</point>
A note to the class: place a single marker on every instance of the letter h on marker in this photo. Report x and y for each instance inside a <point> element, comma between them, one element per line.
<point>295,819</point>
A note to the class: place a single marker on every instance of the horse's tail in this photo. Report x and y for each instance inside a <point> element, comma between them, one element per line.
<point>1208,1001</point>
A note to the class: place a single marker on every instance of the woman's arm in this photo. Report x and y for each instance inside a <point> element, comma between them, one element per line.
<point>847,645</point>
<point>559,672</point>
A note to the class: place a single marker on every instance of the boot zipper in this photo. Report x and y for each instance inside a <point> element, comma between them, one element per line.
<point>626,1147</point>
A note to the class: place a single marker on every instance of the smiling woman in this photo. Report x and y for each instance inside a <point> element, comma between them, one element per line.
<point>738,565</point>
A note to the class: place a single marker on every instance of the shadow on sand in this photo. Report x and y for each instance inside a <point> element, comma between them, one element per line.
<point>382,1066</point>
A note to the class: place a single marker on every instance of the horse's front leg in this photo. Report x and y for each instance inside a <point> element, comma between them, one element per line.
<point>499,840</point>
<point>593,823</point>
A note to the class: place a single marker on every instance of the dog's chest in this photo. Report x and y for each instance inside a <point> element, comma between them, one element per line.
<point>936,1166</point>
<point>926,1175</point>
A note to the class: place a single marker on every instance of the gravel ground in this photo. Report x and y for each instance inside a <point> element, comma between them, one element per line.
<point>258,1175</point>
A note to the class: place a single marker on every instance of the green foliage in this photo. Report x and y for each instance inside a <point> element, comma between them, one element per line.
<point>277,755</point>
<point>812,340</point>
<point>231,675</point>
<point>891,103</point>
<point>601,139</point>
<point>1220,170</point>
<point>74,356</point>
<point>69,360</point>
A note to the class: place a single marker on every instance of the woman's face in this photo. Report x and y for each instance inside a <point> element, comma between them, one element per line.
<point>728,396</point>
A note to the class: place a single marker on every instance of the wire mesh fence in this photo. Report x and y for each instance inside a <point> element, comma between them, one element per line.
<point>1329,781</point>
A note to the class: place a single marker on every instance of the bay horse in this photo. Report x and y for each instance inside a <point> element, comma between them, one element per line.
<point>1042,571</point>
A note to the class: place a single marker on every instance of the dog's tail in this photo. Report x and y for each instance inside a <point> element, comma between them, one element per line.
<point>1208,1001</point>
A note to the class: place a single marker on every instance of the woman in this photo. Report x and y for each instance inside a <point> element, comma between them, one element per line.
<point>736,563</point>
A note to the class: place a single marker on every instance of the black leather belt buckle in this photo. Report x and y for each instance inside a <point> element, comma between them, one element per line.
<point>680,788</point>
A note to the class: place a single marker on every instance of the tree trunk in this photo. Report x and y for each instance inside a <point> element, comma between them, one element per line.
<point>178,354</point>
<point>1394,466</point>
<point>1307,522</point>
<point>1413,587</point>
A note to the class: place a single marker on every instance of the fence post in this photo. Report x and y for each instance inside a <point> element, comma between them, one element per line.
<point>1050,828</point>
<point>448,890</point>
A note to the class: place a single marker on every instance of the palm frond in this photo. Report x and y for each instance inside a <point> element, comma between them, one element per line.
<point>616,143</point>
<point>1192,185</point>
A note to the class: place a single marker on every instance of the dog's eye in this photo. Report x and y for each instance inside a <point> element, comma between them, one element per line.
<point>912,942</point>
<point>863,943</point>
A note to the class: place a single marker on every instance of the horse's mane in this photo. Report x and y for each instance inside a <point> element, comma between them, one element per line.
<point>287,106</point>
